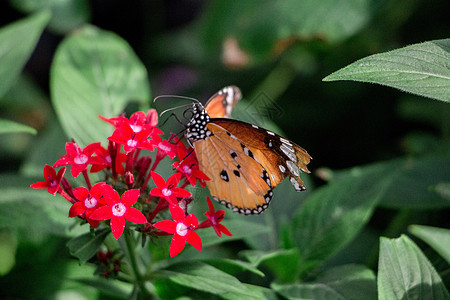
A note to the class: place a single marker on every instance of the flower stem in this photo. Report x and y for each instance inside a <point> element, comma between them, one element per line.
<point>131,247</point>
<point>86,177</point>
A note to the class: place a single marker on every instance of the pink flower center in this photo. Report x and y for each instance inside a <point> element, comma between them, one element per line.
<point>136,128</point>
<point>182,229</point>
<point>166,192</point>
<point>119,209</point>
<point>164,147</point>
<point>53,182</point>
<point>131,143</point>
<point>81,159</point>
<point>108,159</point>
<point>187,169</point>
<point>90,202</point>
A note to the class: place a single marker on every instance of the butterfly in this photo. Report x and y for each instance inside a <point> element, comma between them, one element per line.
<point>243,161</point>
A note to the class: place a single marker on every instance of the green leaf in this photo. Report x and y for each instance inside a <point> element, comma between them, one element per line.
<point>34,214</point>
<point>404,272</point>
<point>422,69</point>
<point>334,214</point>
<point>203,277</point>
<point>94,72</point>
<point>438,238</point>
<point>47,148</point>
<point>283,263</point>
<point>86,246</point>
<point>7,126</point>
<point>17,42</point>
<point>232,266</point>
<point>66,15</point>
<point>414,181</point>
<point>8,248</point>
<point>343,282</point>
<point>209,236</point>
<point>260,27</point>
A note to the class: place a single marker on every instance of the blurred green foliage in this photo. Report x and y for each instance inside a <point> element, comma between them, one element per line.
<point>381,156</point>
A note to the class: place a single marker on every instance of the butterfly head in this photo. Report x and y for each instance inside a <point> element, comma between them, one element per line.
<point>196,128</point>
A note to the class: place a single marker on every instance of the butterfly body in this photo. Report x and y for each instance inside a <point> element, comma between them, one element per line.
<point>244,162</point>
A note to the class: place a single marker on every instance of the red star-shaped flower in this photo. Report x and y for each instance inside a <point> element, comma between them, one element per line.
<point>214,219</point>
<point>52,180</point>
<point>104,154</point>
<point>89,201</point>
<point>168,190</point>
<point>167,147</point>
<point>130,139</point>
<point>138,120</point>
<point>182,227</point>
<point>119,209</point>
<point>79,158</point>
<point>188,165</point>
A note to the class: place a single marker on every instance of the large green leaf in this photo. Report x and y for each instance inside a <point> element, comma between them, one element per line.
<point>438,238</point>
<point>203,277</point>
<point>414,181</point>
<point>232,266</point>
<point>7,126</point>
<point>34,214</point>
<point>334,214</point>
<point>94,72</point>
<point>236,227</point>
<point>404,272</point>
<point>283,263</point>
<point>263,28</point>
<point>421,69</point>
<point>66,15</point>
<point>343,282</point>
<point>17,42</point>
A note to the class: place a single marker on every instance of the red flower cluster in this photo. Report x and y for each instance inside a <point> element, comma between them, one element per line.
<point>124,194</point>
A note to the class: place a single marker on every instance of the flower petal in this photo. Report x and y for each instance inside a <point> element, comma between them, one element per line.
<point>77,209</point>
<point>191,220</point>
<point>210,205</point>
<point>166,226</point>
<point>61,173</point>
<point>159,181</point>
<point>177,245</point>
<point>194,239</point>
<point>81,193</point>
<point>97,190</point>
<point>156,192</point>
<point>134,215</point>
<point>174,179</point>
<point>75,170</point>
<point>117,226</point>
<point>49,172</point>
<point>223,229</point>
<point>102,213</point>
<point>130,197</point>
<point>177,213</point>
<point>90,149</point>
<point>179,192</point>
<point>39,185</point>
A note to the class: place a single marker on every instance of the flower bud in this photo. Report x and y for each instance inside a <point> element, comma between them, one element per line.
<point>152,118</point>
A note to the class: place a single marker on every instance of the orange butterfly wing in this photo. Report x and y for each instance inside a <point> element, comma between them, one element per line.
<point>221,103</point>
<point>279,157</point>
<point>237,179</point>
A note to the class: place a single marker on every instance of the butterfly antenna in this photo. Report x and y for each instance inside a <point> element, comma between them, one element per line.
<point>175,96</point>
<point>176,118</point>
